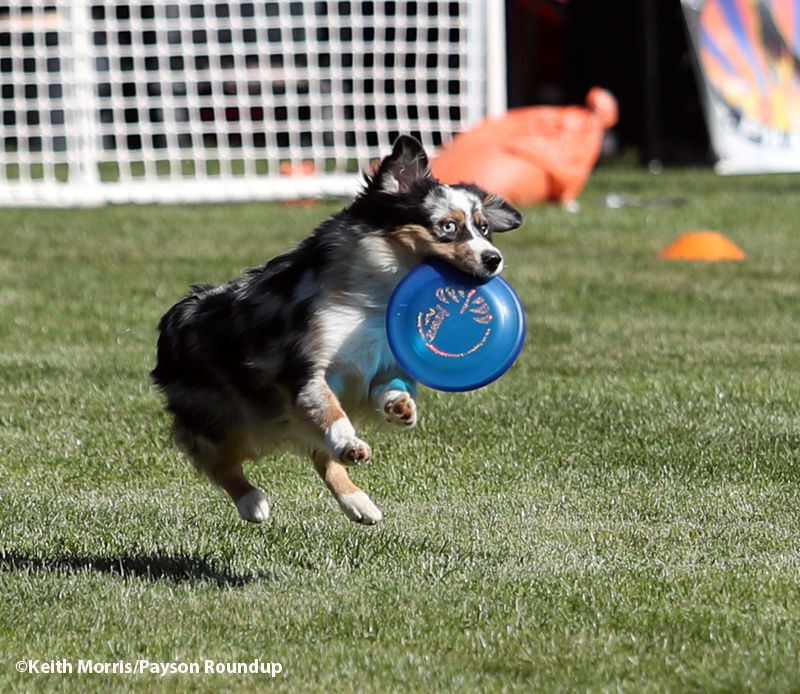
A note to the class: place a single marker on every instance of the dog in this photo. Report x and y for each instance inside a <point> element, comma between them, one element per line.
<point>281,355</point>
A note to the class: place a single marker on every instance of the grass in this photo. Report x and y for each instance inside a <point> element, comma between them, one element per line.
<point>620,512</point>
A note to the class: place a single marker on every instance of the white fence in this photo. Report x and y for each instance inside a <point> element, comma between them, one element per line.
<point>206,100</point>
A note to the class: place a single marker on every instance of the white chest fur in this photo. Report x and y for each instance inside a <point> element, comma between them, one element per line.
<point>355,347</point>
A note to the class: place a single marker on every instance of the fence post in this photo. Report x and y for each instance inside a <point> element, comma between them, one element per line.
<point>80,91</point>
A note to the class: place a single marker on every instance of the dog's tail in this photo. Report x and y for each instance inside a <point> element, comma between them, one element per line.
<point>169,349</point>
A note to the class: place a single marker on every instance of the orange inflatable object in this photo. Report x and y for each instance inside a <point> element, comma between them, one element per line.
<point>532,154</point>
<point>703,245</point>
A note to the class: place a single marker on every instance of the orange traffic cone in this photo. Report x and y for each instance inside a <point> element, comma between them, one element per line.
<point>703,245</point>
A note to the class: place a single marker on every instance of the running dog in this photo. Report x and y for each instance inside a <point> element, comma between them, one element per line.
<point>295,350</point>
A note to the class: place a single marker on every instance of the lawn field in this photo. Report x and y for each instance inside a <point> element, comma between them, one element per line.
<point>619,512</point>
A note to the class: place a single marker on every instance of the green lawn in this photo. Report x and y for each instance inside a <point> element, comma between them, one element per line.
<point>620,512</point>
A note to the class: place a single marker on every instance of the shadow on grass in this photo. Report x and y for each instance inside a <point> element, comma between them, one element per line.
<point>155,567</point>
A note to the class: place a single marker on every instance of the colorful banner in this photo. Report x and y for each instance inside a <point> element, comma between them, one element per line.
<point>748,52</point>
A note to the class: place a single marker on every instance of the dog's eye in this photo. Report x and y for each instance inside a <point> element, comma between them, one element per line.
<point>484,228</point>
<point>449,227</point>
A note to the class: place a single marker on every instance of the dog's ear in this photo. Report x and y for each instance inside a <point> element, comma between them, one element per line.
<point>502,215</point>
<point>406,164</point>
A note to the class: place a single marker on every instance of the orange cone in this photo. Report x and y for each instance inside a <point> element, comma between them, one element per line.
<point>306,168</point>
<point>703,245</point>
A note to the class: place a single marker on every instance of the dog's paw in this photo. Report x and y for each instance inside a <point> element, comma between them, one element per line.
<point>344,445</point>
<point>358,507</point>
<point>355,452</point>
<point>399,408</point>
<point>253,506</point>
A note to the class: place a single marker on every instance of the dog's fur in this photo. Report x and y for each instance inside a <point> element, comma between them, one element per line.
<point>281,354</point>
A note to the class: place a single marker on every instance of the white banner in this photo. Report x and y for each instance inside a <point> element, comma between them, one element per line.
<point>748,53</point>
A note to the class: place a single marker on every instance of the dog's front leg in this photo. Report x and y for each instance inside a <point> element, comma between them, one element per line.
<point>318,405</point>
<point>394,398</point>
<point>355,503</point>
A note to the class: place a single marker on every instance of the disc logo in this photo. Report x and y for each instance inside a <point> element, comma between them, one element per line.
<point>471,315</point>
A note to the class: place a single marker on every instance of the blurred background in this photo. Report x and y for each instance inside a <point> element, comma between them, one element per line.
<point>637,49</point>
<point>140,101</point>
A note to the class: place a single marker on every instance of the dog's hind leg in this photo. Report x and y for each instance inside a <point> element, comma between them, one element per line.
<point>250,501</point>
<point>223,464</point>
<point>355,503</point>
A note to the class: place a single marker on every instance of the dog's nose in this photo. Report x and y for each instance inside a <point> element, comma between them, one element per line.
<point>491,260</point>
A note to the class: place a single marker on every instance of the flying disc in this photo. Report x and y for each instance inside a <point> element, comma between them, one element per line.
<point>451,331</point>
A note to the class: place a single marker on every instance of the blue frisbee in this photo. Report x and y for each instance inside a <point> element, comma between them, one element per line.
<point>451,331</point>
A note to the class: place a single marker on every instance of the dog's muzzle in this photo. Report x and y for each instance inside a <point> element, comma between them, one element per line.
<point>491,261</point>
